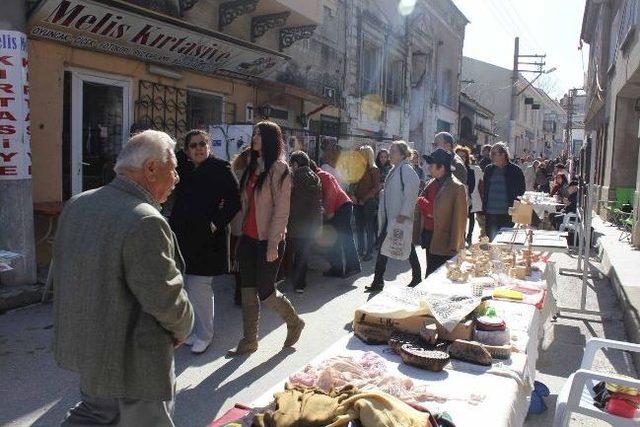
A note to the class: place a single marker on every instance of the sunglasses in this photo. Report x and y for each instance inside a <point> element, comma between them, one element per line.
<point>193,145</point>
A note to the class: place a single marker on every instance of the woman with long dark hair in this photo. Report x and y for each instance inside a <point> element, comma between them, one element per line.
<point>265,190</point>
<point>383,163</point>
<point>560,185</point>
<point>206,200</point>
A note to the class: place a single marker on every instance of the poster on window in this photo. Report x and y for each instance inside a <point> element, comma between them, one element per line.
<point>227,140</point>
<point>15,139</point>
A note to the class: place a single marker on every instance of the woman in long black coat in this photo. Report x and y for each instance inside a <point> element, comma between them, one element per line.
<point>206,200</point>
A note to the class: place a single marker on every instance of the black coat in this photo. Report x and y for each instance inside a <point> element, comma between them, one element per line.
<point>305,216</point>
<point>205,195</point>
<point>514,179</point>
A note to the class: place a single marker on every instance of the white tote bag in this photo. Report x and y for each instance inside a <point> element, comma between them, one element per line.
<point>397,244</point>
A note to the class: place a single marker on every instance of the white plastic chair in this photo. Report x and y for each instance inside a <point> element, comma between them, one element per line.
<point>570,222</point>
<point>577,393</point>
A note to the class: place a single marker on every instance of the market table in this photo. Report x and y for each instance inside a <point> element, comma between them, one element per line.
<point>543,240</point>
<point>505,387</point>
<point>542,203</point>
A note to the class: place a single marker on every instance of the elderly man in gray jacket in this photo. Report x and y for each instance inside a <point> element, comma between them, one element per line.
<point>445,141</point>
<point>120,308</point>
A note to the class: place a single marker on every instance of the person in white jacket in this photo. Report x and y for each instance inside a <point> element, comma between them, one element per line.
<point>397,204</point>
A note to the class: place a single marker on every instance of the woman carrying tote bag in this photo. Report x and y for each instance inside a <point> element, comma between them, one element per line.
<point>396,209</point>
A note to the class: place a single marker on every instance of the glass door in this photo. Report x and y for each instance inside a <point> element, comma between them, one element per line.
<point>100,109</point>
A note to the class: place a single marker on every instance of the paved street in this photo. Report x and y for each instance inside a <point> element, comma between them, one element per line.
<point>35,392</point>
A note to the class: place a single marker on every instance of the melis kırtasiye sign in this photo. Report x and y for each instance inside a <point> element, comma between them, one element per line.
<point>122,29</point>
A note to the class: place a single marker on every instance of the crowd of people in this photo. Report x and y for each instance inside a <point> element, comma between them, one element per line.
<point>132,284</point>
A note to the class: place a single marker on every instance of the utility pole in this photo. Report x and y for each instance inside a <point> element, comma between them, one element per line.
<point>16,200</point>
<point>569,126</point>
<point>514,96</point>
<point>539,64</point>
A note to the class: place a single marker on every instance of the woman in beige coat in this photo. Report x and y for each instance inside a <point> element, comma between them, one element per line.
<point>265,189</point>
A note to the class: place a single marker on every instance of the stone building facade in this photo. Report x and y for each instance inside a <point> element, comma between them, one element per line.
<point>610,28</point>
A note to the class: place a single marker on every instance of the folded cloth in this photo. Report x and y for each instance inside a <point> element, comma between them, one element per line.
<point>378,409</point>
<point>298,406</point>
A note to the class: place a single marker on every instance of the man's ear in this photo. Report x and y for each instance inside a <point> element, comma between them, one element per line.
<point>150,169</point>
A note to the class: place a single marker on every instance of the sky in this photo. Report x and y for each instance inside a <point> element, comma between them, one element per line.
<point>544,26</point>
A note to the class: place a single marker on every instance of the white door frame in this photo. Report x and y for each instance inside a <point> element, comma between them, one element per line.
<point>78,77</point>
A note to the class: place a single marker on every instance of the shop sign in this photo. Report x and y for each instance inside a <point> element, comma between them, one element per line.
<point>15,135</point>
<point>120,29</point>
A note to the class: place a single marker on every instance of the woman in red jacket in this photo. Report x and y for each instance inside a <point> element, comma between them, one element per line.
<point>338,210</point>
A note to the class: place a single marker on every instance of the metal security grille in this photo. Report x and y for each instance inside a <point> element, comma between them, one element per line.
<point>162,107</point>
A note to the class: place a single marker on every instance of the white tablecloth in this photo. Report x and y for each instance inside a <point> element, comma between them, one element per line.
<point>542,203</point>
<point>506,386</point>
<point>543,240</point>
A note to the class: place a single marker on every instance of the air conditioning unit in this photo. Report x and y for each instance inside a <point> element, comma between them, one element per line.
<point>329,92</point>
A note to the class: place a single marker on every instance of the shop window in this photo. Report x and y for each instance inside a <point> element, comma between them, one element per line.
<point>248,113</point>
<point>329,125</point>
<point>162,107</point>
<point>330,24</point>
<point>420,68</point>
<point>395,81</point>
<point>279,114</point>
<point>371,69</point>
<point>446,88</point>
<point>203,109</point>
<point>230,113</point>
<point>443,126</point>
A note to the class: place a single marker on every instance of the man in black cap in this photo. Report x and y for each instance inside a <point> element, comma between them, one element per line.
<point>443,208</point>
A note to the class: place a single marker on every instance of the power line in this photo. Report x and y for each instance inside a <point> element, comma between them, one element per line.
<point>527,29</point>
<point>500,20</point>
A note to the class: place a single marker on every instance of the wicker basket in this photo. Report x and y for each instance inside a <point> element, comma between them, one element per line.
<point>431,360</point>
<point>398,339</point>
<point>470,351</point>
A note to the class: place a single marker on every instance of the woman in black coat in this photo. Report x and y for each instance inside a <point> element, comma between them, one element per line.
<point>206,200</point>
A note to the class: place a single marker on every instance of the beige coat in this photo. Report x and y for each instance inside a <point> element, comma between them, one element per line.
<point>450,214</point>
<point>119,301</point>
<point>273,203</point>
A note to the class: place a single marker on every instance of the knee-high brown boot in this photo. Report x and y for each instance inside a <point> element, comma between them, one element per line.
<point>250,319</point>
<point>281,305</point>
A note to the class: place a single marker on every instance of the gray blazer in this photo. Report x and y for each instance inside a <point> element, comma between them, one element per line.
<point>119,301</point>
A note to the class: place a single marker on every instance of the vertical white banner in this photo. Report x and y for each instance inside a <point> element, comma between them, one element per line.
<point>15,133</point>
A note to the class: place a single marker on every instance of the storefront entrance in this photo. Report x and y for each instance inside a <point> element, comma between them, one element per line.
<point>97,116</point>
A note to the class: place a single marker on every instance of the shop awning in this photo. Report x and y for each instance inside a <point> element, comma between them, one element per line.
<point>120,28</point>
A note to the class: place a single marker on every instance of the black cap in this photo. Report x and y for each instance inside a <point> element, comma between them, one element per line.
<point>439,157</point>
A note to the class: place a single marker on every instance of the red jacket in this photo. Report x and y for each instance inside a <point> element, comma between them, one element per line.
<point>425,204</point>
<point>333,196</point>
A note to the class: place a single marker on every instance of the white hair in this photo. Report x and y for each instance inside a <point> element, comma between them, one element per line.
<point>144,146</point>
<point>503,148</point>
